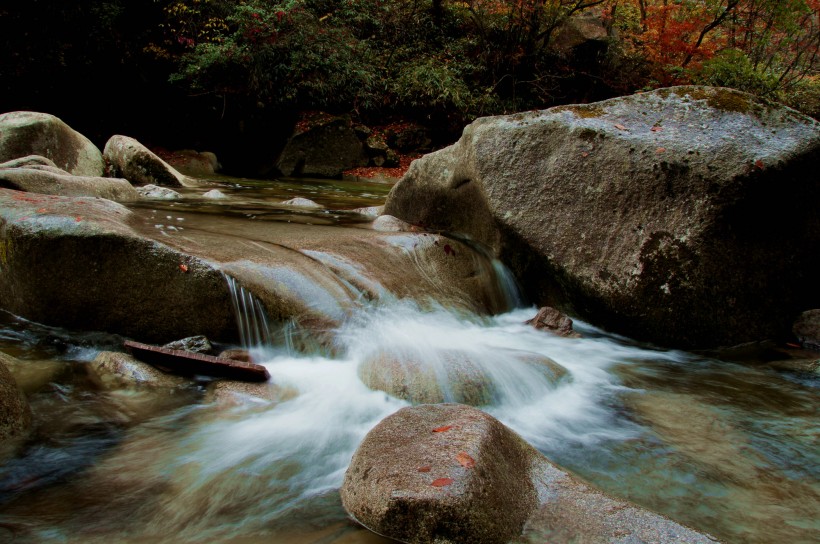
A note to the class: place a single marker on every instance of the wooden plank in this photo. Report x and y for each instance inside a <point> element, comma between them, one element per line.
<point>187,362</point>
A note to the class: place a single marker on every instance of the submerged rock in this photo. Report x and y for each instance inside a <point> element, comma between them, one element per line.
<point>115,370</point>
<point>24,133</point>
<point>300,202</point>
<point>425,377</point>
<point>229,393</point>
<point>157,192</point>
<point>646,214</point>
<point>214,194</point>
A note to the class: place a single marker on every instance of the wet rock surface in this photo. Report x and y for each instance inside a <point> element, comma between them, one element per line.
<point>448,375</point>
<point>642,214</point>
<point>807,329</point>
<point>15,413</point>
<point>44,180</point>
<point>115,370</point>
<point>551,320</point>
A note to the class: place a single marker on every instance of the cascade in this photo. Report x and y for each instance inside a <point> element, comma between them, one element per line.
<point>251,319</point>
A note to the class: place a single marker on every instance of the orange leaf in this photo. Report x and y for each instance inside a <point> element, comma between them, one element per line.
<point>424,469</point>
<point>660,150</point>
<point>620,127</point>
<point>465,460</point>
<point>42,210</point>
<point>442,429</point>
<point>442,482</point>
<point>183,267</point>
<point>585,154</point>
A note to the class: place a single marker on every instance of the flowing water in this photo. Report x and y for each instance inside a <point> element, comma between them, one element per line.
<point>725,442</point>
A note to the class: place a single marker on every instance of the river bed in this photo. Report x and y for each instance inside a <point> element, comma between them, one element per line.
<point>725,442</point>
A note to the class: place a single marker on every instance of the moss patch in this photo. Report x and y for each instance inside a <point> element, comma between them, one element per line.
<point>584,111</point>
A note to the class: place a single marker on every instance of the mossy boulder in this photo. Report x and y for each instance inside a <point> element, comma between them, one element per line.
<point>24,133</point>
<point>324,146</point>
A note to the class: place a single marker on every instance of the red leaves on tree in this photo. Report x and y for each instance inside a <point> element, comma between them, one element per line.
<point>442,482</point>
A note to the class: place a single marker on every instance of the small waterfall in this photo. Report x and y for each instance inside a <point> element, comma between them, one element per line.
<point>251,319</point>
<point>507,285</point>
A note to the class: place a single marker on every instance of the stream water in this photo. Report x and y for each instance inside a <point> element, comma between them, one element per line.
<point>725,442</point>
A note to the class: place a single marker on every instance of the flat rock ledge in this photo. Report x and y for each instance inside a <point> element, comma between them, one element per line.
<point>450,473</point>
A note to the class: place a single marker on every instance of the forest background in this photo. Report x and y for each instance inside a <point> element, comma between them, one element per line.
<point>233,76</point>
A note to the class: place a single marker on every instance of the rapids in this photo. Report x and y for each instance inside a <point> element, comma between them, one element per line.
<point>725,442</point>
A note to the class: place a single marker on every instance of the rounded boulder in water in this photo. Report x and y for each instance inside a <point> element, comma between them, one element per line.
<point>442,473</point>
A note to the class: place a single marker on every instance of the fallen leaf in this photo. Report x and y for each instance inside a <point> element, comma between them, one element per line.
<point>585,154</point>
<point>424,469</point>
<point>656,129</point>
<point>660,150</point>
<point>183,267</point>
<point>42,210</point>
<point>791,345</point>
<point>442,482</point>
<point>759,164</point>
<point>78,219</point>
<point>448,249</point>
<point>465,460</point>
<point>620,127</point>
<point>442,429</point>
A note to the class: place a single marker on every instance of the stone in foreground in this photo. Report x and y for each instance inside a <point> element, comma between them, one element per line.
<point>449,473</point>
<point>442,473</point>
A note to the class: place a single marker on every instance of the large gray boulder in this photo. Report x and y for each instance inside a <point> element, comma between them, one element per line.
<point>449,473</point>
<point>130,159</point>
<point>25,133</point>
<point>325,148</point>
<point>684,216</point>
<point>75,262</point>
<point>53,181</point>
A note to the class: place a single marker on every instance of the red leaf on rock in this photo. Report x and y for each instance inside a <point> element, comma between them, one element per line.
<point>442,429</point>
<point>656,129</point>
<point>585,154</point>
<point>424,469</point>
<point>42,210</point>
<point>465,460</point>
<point>759,164</point>
<point>442,482</point>
<point>183,267</point>
<point>660,150</point>
<point>78,219</point>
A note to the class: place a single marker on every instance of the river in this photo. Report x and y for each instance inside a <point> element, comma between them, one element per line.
<point>725,442</point>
